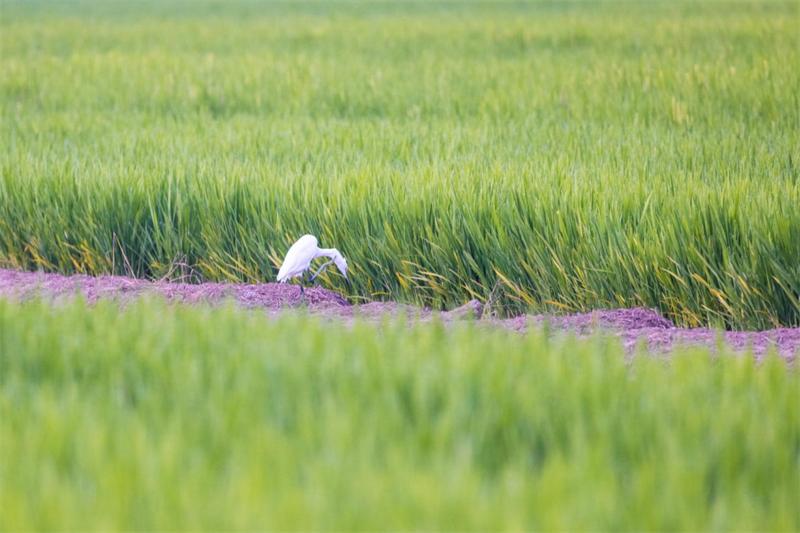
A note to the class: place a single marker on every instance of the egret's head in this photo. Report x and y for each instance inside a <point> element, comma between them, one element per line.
<point>341,264</point>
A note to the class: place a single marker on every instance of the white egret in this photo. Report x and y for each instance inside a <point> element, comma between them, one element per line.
<point>298,260</point>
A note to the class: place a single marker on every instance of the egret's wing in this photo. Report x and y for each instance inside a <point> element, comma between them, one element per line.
<point>298,258</point>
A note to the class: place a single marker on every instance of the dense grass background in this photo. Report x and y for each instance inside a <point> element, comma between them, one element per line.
<point>146,418</point>
<point>583,154</point>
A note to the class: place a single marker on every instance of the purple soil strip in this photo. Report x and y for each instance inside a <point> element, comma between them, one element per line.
<point>633,326</point>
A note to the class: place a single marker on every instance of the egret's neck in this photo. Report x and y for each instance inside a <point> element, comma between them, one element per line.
<point>328,252</point>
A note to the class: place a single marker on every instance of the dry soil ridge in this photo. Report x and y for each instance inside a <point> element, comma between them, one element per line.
<point>631,325</point>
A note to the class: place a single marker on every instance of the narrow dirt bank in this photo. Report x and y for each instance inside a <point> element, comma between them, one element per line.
<point>631,325</point>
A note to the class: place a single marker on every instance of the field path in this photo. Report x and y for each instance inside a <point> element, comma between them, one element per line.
<point>631,325</point>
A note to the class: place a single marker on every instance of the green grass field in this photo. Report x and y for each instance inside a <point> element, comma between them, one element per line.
<point>148,419</point>
<point>585,154</point>
<point>575,155</point>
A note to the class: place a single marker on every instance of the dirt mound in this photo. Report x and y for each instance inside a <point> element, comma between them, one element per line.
<point>617,319</point>
<point>270,296</point>
<point>633,326</point>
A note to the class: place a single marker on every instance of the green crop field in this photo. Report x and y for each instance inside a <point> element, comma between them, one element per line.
<point>148,419</point>
<point>581,154</point>
<point>553,156</point>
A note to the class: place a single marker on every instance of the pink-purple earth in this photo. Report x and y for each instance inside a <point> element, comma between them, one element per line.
<point>632,326</point>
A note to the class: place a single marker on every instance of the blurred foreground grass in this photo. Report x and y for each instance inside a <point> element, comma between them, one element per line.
<point>162,417</point>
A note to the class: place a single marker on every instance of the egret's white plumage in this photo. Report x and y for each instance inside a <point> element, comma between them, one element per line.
<point>298,259</point>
